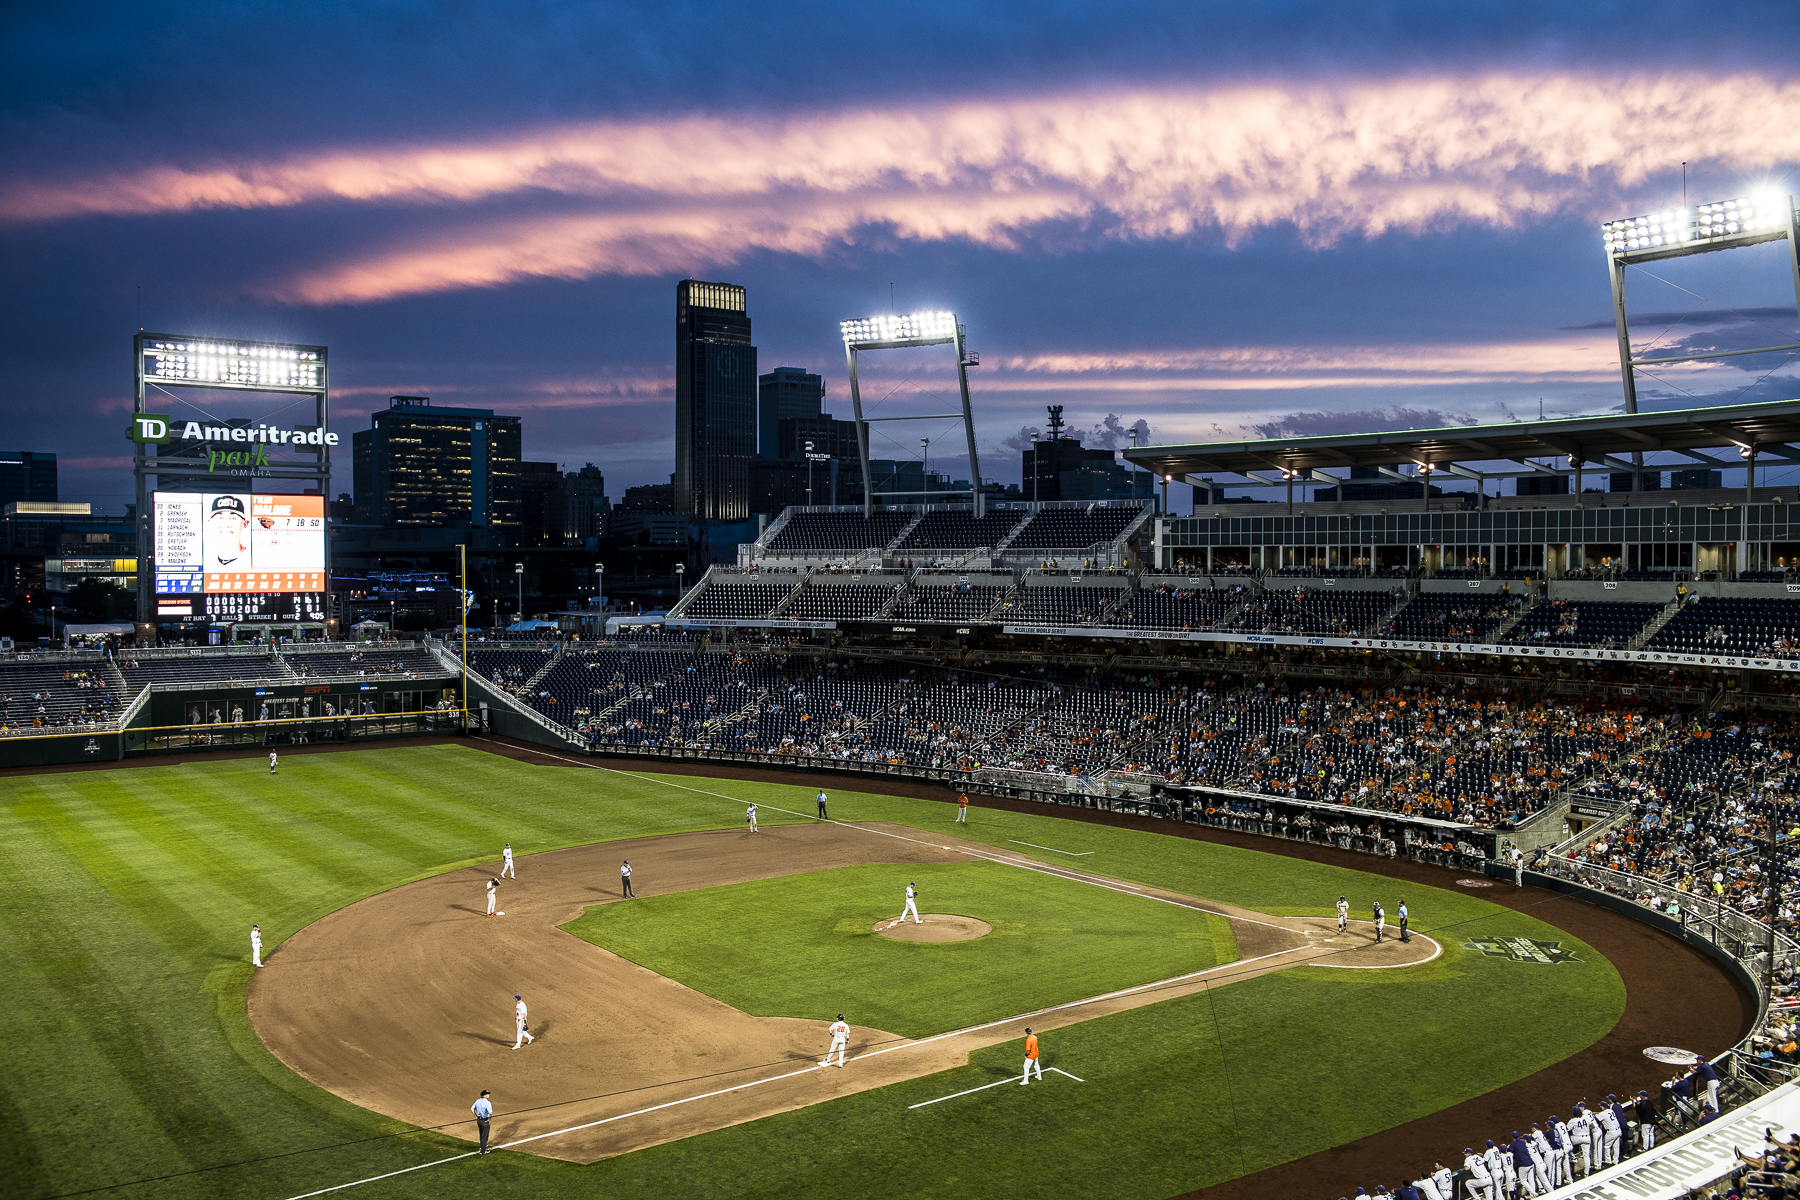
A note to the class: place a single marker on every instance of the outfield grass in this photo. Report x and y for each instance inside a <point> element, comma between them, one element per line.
<point>132,1066</point>
<point>812,951</point>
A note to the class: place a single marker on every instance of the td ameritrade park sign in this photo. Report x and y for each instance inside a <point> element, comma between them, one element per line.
<point>240,449</point>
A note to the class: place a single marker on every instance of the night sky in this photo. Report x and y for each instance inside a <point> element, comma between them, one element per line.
<point>1220,220</point>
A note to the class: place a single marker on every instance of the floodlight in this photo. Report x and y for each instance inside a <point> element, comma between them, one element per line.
<point>256,366</point>
<point>909,329</point>
<point>1700,228</point>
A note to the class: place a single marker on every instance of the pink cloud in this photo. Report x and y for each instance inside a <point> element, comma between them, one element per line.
<point>670,194</point>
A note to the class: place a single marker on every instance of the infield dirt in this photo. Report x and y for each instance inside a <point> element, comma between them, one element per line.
<point>402,1003</point>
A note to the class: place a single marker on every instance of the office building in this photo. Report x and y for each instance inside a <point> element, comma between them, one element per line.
<point>715,401</point>
<point>1649,481</point>
<point>27,475</point>
<point>1696,477</point>
<point>828,435</point>
<point>425,465</point>
<point>783,393</point>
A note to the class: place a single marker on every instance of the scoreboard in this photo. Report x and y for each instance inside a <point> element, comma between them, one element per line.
<point>240,556</point>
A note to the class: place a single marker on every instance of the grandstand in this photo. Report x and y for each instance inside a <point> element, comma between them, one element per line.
<point>1075,534</point>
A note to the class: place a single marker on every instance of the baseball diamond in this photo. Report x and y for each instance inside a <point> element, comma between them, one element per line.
<point>1165,972</point>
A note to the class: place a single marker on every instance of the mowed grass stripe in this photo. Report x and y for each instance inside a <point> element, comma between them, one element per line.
<point>152,1056</point>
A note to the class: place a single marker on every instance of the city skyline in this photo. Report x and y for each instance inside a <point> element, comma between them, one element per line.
<point>1216,222</point>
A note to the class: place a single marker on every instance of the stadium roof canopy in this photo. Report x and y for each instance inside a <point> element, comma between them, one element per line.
<point>1771,430</point>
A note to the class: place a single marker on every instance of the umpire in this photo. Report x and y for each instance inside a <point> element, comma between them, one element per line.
<point>483,1108</point>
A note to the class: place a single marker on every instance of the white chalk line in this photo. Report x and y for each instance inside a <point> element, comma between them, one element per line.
<point>1022,863</point>
<point>1052,849</point>
<point>984,1087</point>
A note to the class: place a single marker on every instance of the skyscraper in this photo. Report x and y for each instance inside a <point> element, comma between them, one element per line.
<point>782,393</point>
<point>715,401</point>
<point>27,475</point>
<point>424,464</point>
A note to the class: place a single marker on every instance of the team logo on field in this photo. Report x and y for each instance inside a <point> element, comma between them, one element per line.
<point>1520,949</point>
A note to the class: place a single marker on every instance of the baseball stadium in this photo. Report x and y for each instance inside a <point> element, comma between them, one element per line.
<point>1383,839</point>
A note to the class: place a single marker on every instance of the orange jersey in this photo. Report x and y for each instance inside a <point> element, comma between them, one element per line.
<point>1031,1050</point>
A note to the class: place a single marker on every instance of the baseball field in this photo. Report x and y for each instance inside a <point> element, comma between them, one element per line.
<point>1201,1021</point>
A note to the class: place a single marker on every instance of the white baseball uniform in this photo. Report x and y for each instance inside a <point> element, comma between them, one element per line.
<point>521,1034</point>
<point>255,946</point>
<point>1561,1172</point>
<point>911,907</point>
<point>1480,1184</point>
<point>1579,1127</point>
<point>1343,914</point>
<point>1445,1179</point>
<point>840,1036</point>
<point>1500,1166</point>
<point>493,896</point>
<point>506,867</point>
<point>1609,1135</point>
<point>271,762</point>
<point>750,816</point>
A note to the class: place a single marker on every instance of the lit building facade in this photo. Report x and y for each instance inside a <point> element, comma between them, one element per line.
<point>424,465</point>
<point>715,401</point>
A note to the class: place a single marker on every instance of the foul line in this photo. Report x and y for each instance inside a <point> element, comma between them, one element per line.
<point>1024,864</point>
<point>984,1087</point>
<point>1052,849</point>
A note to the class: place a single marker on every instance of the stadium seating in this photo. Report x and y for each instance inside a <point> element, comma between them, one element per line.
<point>1603,623</point>
<point>731,597</point>
<point>1074,528</point>
<point>1333,611</point>
<point>39,696</point>
<point>1052,605</point>
<point>1450,616</point>
<point>1731,625</point>
<point>948,602</point>
<point>840,601</point>
<point>1166,606</point>
<point>837,532</point>
<point>959,531</point>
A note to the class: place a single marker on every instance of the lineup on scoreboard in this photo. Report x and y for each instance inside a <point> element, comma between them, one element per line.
<point>240,556</point>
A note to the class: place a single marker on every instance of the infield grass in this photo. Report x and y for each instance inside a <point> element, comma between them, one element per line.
<point>814,952</point>
<point>133,1071</point>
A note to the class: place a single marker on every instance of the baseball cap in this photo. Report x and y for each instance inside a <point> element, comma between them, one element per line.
<point>516,996</point>
<point>228,504</point>
<point>840,1016</point>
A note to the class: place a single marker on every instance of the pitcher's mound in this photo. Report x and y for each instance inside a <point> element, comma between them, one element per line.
<point>938,927</point>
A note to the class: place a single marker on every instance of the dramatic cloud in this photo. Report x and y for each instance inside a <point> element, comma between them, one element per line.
<point>1322,424</point>
<point>664,195</point>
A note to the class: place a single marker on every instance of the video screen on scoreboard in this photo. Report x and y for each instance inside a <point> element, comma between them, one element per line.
<point>240,555</point>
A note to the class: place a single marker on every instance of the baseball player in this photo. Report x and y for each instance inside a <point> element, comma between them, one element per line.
<point>1480,1183</point>
<point>483,1108</point>
<point>521,1034</point>
<point>1380,922</point>
<point>1523,1164</point>
<point>271,762</point>
<point>1646,1121</point>
<point>1404,915</point>
<point>911,905</point>
<point>821,799</point>
<point>1596,1136</point>
<point>1610,1129</point>
<point>1031,1059</point>
<point>962,809</point>
<point>750,817</point>
<point>493,895</point>
<point>625,880</point>
<point>506,867</point>
<point>1580,1128</point>
<point>1426,1187</point>
<point>1561,1144</point>
<point>1343,914</point>
<point>1500,1166</point>
<point>840,1036</point>
<point>1545,1156</point>
<point>256,945</point>
<point>1704,1070</point>
<point>1444,1179</point>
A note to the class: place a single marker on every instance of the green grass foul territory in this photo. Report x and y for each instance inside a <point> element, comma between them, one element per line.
<point>133,1071</point>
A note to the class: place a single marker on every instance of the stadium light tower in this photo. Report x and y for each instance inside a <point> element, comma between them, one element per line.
<point>904,333</point>
<point>1677,233</point>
